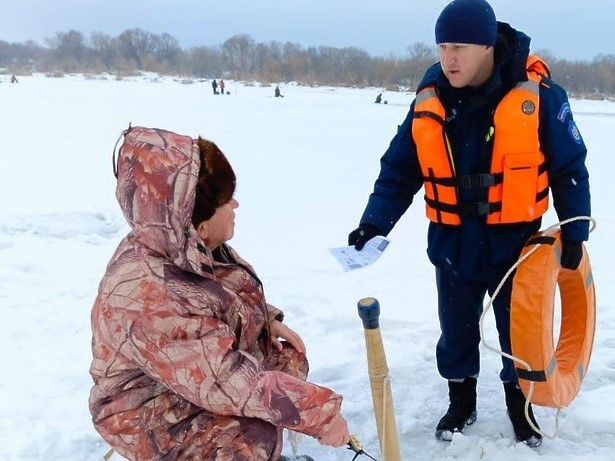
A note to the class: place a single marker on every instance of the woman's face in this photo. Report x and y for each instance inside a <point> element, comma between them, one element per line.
<point>220,227</point>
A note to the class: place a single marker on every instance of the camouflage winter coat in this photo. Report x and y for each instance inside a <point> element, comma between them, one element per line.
<point>181,350</point>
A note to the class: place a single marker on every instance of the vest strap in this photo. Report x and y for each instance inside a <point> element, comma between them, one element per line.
<point>542,194</point>
<point>477,181</point>
<point>468,181</point>
<point>465,209</point>
<point>429,114</point>
<point>474,208</point>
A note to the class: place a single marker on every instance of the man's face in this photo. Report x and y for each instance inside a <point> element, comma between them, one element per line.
<point>466,64</point>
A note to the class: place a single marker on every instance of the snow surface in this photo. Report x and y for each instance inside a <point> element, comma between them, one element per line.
<point>305,165</point>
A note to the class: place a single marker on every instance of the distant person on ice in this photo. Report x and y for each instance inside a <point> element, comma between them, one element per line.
<point>214,86</point>
<point>488,135</point>
<point>221,86</point>
<point>277,92</point>
<point>14,79</point>
<point>378,98</point>
<point>190,362</point>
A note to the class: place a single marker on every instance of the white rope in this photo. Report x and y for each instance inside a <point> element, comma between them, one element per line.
<point>516,359</point>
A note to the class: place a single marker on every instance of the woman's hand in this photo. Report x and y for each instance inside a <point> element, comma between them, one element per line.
<point>280,330</point>
<point>336,435</point>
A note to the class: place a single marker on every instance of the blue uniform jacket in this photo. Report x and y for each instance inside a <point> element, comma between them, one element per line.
<point>474,248</point>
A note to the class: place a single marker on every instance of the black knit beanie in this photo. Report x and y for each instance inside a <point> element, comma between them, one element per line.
<point>467,21</point>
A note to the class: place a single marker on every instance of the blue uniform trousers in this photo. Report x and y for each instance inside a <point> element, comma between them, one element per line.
<point>460,305</point>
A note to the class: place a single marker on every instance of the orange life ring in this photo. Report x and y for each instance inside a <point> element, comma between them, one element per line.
<point>556,372</point>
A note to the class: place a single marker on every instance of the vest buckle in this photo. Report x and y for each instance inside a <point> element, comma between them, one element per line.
<point>482,180</point>
<point>486,180</point>
<point>482,208</point>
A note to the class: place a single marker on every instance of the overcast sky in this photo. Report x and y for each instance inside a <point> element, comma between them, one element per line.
<point>569,29</point>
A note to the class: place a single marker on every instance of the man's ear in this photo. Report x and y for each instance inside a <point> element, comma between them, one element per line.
<point>203,230</point>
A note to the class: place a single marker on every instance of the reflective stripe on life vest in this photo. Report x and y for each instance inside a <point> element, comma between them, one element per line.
<point>516,163</point>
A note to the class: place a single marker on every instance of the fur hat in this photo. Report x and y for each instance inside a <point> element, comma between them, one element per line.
<point>216,183</point>
<point>467,21</point>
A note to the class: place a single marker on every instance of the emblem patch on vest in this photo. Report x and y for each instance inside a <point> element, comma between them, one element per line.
<point>574,132</point>
<point>528,107</point>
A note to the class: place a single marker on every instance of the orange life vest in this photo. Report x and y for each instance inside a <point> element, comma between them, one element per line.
<point>517,183</point>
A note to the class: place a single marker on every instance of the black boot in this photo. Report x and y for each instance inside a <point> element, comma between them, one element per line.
<point>461,410</point>
<point>515,403</point>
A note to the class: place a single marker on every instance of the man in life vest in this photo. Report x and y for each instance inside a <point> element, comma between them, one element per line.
<point>487,136</point>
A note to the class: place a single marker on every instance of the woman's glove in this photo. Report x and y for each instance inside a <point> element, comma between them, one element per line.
<point>361,235</point>
<point>572,252</point>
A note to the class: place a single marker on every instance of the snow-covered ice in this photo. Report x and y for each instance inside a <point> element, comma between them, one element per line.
<point>305,165</point>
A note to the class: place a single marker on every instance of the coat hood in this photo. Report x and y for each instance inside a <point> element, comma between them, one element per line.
<point>511,52</point>
<point>157,173</point>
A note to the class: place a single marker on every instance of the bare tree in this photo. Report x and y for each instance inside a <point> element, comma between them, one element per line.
<point>20,57</point>
<point>355,64</point>
<point>605,73</point>
<point>168,50</point>
<point>240,57</point>
<point>106,49</point>
<point>69,50</point>
<point>137,45</point>
<point>421,57</point>
<point>237,52</point>
<point>204,62</point>
<point>267,62</point>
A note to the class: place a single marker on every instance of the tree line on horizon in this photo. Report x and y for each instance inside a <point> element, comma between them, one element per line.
<point>241,58</point>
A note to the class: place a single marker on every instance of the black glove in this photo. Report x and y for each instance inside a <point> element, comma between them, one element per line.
<point>361,235</point>
<point>572,252</point>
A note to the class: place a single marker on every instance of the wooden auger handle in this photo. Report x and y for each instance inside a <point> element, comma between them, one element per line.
<point>369,311</point>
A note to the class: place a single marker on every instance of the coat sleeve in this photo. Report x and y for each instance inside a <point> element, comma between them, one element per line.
<point>565,151</point>
<point>196,357</point>
<point>274,313</point>
<point>399,180</point>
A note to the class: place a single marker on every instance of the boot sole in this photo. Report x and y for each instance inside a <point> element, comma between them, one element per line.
<point>533,441</point>
<point>446,435</point>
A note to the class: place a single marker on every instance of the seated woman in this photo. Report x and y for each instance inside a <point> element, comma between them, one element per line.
<point>189,360</point>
